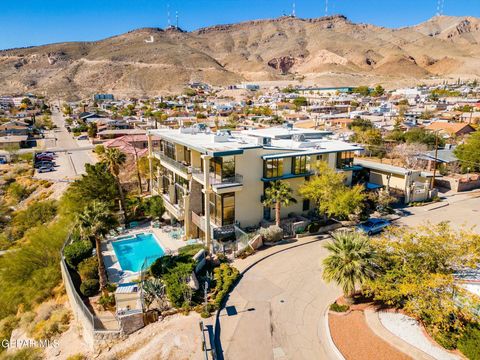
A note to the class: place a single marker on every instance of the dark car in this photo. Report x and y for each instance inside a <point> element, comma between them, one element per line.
<point>373,226</point>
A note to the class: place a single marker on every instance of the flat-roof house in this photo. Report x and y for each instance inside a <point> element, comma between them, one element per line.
<point>14,127</point>
<point>412,184</point>
<point>218,180</point>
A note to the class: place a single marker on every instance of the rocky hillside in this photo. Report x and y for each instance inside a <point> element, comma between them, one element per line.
<point>326,51</point>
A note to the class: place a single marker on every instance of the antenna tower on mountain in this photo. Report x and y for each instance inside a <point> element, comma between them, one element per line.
<point>440,7</point>
<point>326,7</point>
<point>168,15</point>
<point>176,19</point>
<point>293,9</point>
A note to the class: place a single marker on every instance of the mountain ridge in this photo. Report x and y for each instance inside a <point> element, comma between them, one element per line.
<point>328,51</point>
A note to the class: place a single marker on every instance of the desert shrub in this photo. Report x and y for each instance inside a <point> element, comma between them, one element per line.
<point>469,343</point>
<point>18,192</point>
<point>90,287</point>
<point>225,276</point>
<point>6,327</point>
<point>77,357</point>
<point>25,354</point>
<point>54,325</point>
<point>36,214</point>
<point>76,252</point>
<point>338,308</point>
<point>88,268</point>
<point>273,233</point>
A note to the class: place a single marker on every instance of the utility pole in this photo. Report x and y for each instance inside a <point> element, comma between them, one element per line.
<point>435,161</point>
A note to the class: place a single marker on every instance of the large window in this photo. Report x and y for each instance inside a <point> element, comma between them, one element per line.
<point>320,159</point>
<point>222,208</point>
<point>168,149</point>
<point>272,168</point>
<point>345,159</point>
<point>222,167</point>
<point>300,164</point>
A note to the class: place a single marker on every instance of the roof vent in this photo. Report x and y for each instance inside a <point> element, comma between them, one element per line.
<point>299,137</point>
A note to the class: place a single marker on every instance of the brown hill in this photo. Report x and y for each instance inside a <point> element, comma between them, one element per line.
<point>326,51</point>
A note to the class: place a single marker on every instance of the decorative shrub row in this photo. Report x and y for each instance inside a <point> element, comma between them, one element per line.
<point>225,276</point>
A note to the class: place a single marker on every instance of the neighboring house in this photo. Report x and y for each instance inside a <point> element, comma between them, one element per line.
<point>132,144</point>
<point>444,156</point>
<point>413,185</point>
<point>240,167</point>
<point>338,123</point>
<point>112,134</point>
<point>14,127</point>
<point>18,141</point>
<point>451,129</point>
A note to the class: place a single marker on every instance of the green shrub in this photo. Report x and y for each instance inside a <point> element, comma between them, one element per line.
<point>339,308</point>
<point>445,339</point>
<point>155,207</point>
<point>190,250</point>
<point>76,252</point>
<point>273,233</point>
<point>107,301</point>
<point>90,287</point>
<point>88,268</point>
<point>313,227</point>
<point>176,284</point>
<point>225,276</point>
<point>469,343</point>
<point>18,191</point>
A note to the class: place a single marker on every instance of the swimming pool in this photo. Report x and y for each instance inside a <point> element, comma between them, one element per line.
<point>132,251</point>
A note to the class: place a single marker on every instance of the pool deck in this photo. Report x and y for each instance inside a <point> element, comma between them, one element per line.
<point>114,271</point>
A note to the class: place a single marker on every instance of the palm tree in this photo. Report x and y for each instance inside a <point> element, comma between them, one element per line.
<point>278,194</point>
<point>351,261</point>
<point>114,159</point>
<point>94,223</point>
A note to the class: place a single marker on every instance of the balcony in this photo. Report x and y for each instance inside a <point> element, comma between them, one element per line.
<point>232,183</point>
<point>173,165</point>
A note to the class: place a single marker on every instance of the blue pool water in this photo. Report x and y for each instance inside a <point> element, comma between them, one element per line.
<point>132,251</point>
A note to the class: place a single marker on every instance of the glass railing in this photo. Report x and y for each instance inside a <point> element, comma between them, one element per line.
<point>176,164</point>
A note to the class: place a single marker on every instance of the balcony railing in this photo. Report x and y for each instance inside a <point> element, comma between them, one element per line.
<point>176,164</point>
<point>215,181</point>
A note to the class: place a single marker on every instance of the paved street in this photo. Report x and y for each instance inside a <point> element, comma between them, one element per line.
<point>280,303</point>
<point>463,210</point>
<point>70,163</point>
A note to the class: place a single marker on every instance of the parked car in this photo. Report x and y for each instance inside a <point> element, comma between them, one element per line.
<point>44,157</point>
<point>48,153</point>
<point>82,137</point>
<point>46,169</point>
<point>40,164</point>
<point>373,226</point>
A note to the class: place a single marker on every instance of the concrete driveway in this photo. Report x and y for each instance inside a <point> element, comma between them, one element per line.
<point>277,309</point>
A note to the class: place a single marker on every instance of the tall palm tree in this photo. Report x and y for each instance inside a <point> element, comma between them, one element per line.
<point>351,261</point>
<point>94,223</point>
<point>114,159</point>
<point>278,194</point>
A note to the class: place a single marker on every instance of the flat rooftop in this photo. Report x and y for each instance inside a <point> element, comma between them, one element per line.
<point>299,141</point>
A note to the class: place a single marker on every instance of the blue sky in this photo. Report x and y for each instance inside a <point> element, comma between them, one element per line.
<point>36,22</point>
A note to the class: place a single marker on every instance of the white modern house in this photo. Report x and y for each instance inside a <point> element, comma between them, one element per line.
<point>211,181</point>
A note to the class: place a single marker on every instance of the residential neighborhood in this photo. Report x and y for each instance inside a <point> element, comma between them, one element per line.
<point>285,217</point>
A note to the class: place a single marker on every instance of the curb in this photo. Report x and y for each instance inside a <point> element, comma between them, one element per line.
<point>329,336</point>
<point>438,207</point>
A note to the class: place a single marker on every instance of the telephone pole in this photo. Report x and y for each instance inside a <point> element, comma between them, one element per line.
<point>432,184</point>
